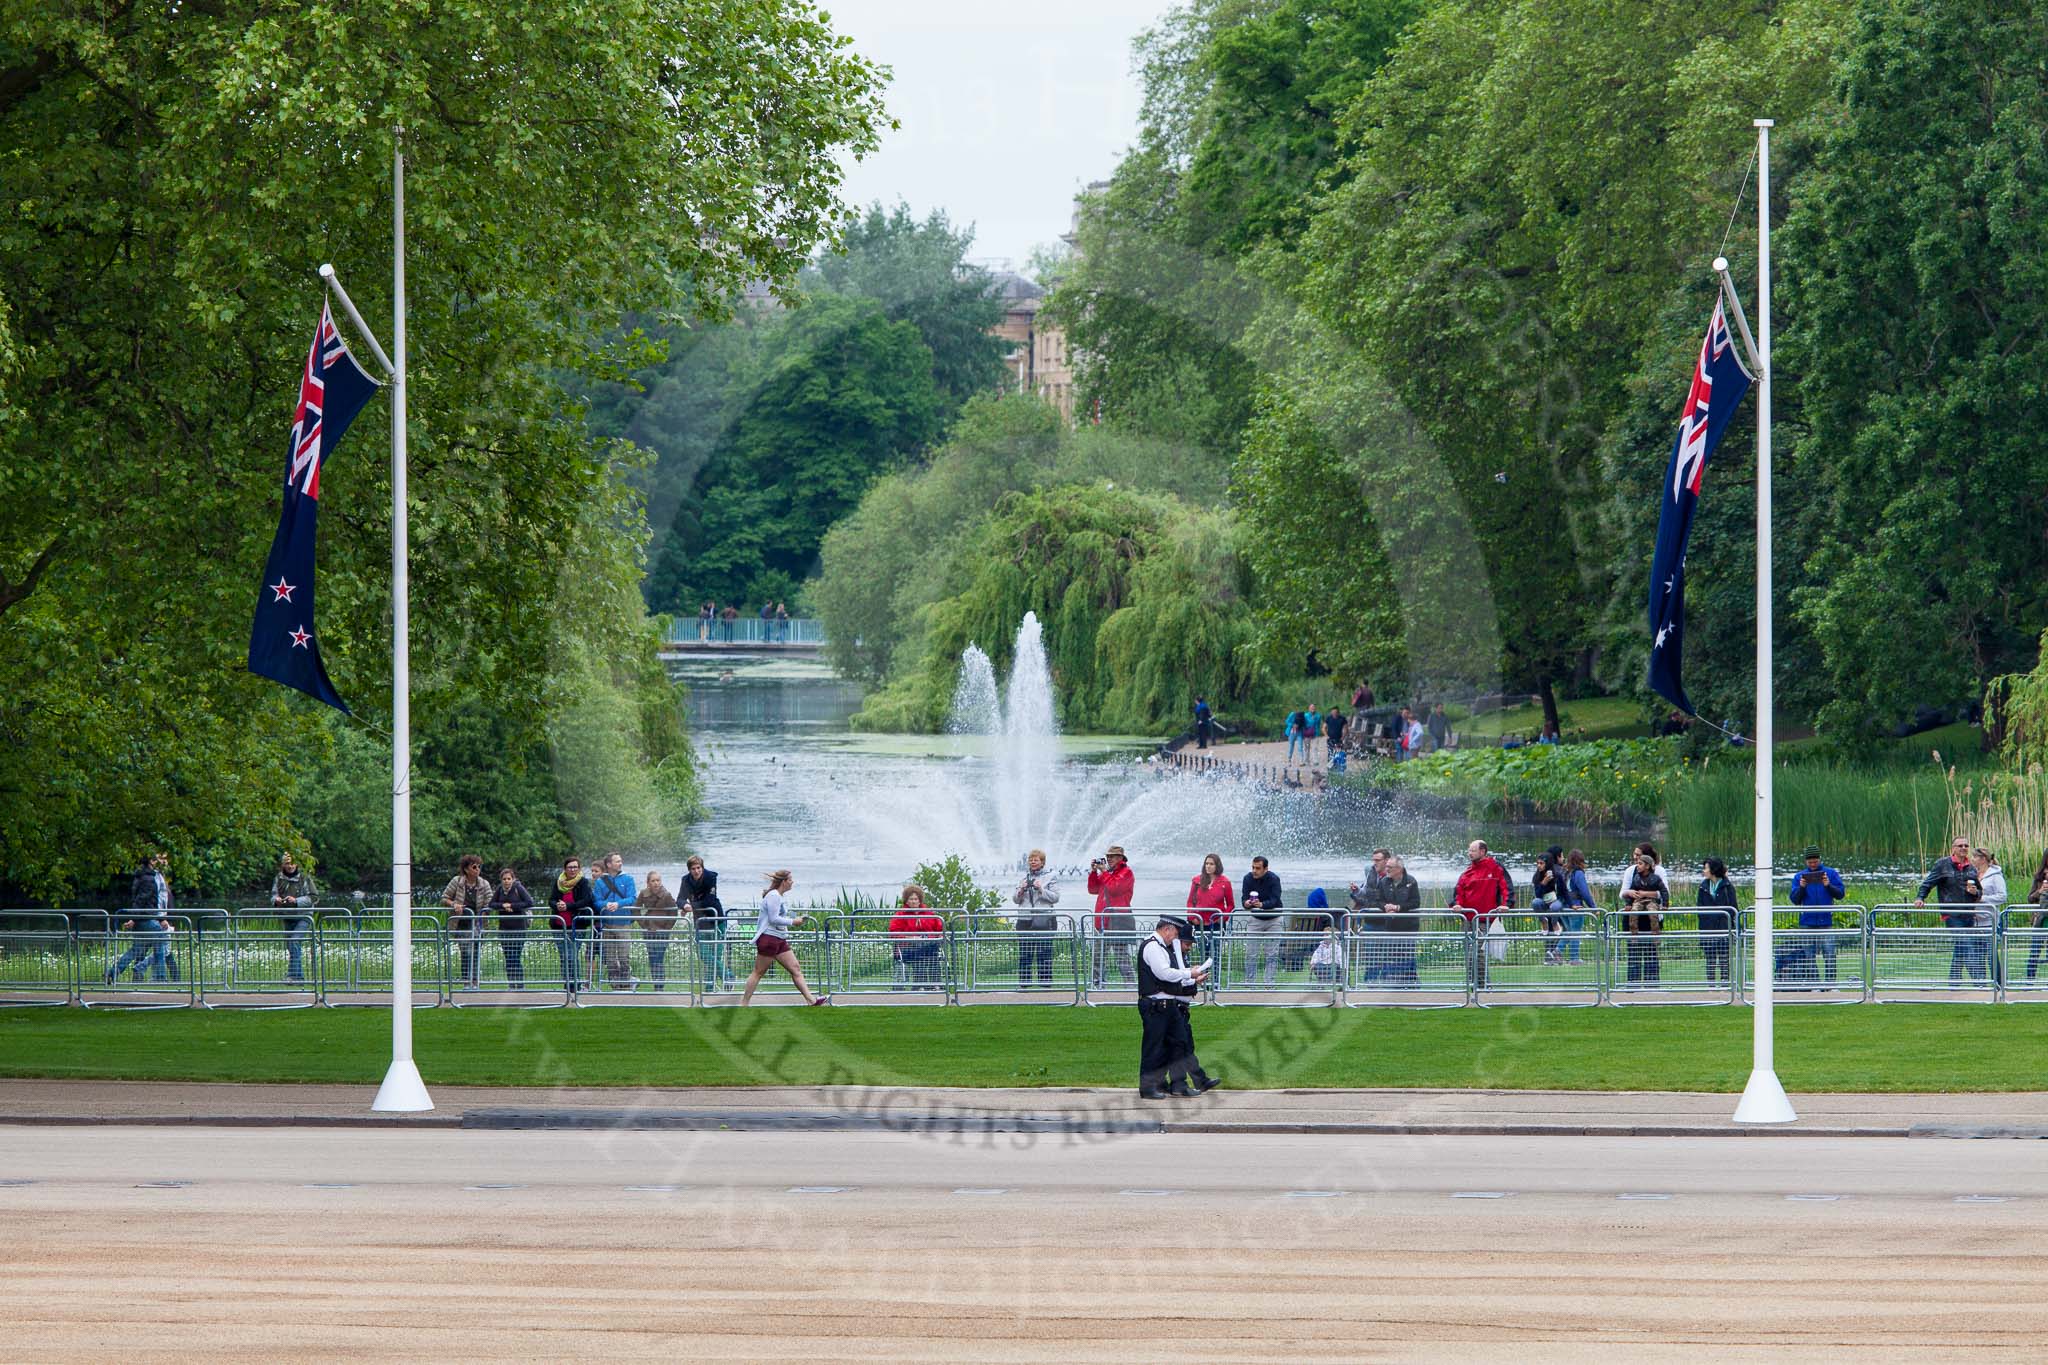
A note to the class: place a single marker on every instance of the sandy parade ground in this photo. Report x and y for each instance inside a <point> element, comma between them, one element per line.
<point>270,1243</point>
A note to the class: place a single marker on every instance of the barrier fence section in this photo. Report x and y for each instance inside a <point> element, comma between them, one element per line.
<point>511,961</point>
<point>1417,960</point>
<point>1519,957</point>
<point>1688,957</point>
<point>734,963</point>
<point>992,956</point>
<point>867,958</point>
<point>263,957</point>
<point>368,955</point>
<point>1111,941</point>
<point>135,959</point>
<point>38,961</point>
<point>1292,958</point>
<point>1937,950</point>
<point>1810,963</point>
<point>2023,960</point>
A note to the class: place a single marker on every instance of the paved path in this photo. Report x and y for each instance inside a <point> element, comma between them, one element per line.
<point>1431,1111</point>
<point>244,1245</point>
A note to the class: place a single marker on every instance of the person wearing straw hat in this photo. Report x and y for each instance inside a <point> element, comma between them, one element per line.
<point>1113,884</point>
<point>1165,984</point>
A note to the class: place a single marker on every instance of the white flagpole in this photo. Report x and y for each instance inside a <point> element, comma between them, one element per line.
<point>1763,1099</point>
<point>403,1090</point>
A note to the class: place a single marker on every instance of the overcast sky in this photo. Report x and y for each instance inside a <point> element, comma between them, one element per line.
<point>1006,109</point>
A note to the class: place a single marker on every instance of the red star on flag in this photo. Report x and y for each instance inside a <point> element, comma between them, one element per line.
<point>301,638</point>
<point>283,590</point>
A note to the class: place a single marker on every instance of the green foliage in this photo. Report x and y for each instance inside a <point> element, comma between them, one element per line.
<point>844,394</point>
<point>159,250</point>
<point>1846,808</point>
<point>1139,596</point>
<point>1602,781</point>
<point>914,538</point>
<point>1915,256</point>
<point>949,885</point>
<point>768,429</point>
<point>919,273</point>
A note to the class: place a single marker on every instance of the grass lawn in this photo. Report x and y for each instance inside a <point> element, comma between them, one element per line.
<point>1939,1047</point>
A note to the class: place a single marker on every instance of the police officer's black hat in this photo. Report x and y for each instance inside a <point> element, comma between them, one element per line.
<point>1179,923</point>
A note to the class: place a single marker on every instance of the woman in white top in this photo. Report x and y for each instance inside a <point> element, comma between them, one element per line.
<point>771,941</point>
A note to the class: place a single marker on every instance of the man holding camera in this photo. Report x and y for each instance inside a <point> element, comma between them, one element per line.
<point>1815,890</point>
<point>1113,882</point>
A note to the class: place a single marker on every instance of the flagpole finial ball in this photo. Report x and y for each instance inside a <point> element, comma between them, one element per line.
<point>1720,265</point>
<point>326,272</point>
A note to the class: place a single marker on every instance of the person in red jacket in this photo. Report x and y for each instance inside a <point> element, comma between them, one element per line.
<point>917,934</point>
<point>1111,879</point>
<point>1483,887</point>
<point>1210,900</point>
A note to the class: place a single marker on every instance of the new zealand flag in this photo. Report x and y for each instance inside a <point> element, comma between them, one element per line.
<point>1718,382</point>
<point>282,643</point>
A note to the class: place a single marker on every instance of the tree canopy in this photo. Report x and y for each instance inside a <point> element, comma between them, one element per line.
<point>174,175</point>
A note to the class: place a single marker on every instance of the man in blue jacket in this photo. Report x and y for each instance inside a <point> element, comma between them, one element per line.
<point>614,891</point>
<point>1815,890</point>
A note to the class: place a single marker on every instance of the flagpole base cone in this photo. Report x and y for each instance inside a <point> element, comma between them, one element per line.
<point>1764,1100</point>
<point>403,1092</point>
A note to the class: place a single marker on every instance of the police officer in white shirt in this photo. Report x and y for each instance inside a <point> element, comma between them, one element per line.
<point>1165,985</point>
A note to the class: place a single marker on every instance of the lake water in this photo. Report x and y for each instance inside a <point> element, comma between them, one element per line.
<point>790,785</point>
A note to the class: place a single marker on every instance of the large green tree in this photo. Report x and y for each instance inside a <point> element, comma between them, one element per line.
<point>919,272</point>
<point>1916,270</point>
<point>844,395</point>
<point>173,176</point>
<point>1498,246</point>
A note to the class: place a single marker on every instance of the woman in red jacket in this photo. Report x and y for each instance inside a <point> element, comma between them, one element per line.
<point>1113,883</point>
<point>1211,901</point>
<point>917,933</point>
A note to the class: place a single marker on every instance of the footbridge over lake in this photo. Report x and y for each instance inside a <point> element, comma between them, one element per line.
<point>694,635</point>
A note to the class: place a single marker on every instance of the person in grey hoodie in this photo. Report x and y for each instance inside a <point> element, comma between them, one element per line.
<point>1038,892</point>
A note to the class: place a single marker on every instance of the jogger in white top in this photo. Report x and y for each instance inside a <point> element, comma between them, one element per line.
<point>770,944</point>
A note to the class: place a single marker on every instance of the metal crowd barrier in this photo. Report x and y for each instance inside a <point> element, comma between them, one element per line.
<point>1820,965</point>
<point>514,963</point>
<point>38,960</point>
<point>812,944</point>
<point>1516,960</point>
<point>1111,950</point>
<point>264,957</point>
<point>135,959</point>
<point>991,956</point>
<point>866,958</point>
<point>268,957</point>
<point>1688,960</point>
<point>1258,964</point>
<point>364,973</point>
<point>1389,963</point>
<point>1938,951</point>
<point>2023,954</point>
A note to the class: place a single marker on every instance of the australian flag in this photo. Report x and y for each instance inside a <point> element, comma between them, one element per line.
<point>283,644</point>
<point>1718,382</point>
